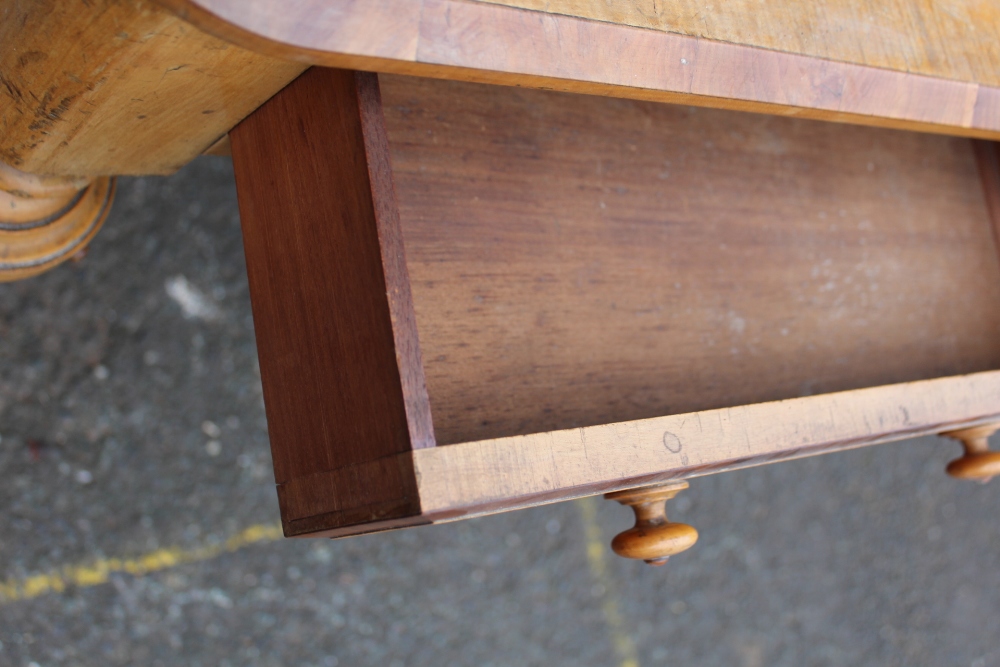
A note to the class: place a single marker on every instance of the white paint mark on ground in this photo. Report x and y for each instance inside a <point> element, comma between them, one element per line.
<point>193,302</point>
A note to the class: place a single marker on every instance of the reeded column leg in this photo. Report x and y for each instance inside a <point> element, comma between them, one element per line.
<point>653,539</point>
<point>978,463</point>
<point>45,220</point>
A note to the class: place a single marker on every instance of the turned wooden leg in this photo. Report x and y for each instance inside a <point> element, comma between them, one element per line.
<point>45,220</point>
<point>978,463</point>
<point>653,539</point>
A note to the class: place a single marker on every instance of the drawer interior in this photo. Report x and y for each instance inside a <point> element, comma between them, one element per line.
<point>581,260</point>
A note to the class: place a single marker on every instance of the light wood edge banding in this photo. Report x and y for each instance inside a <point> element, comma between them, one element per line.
<point>453,39</point>
<point>483,477</point>
<point>473,479</point>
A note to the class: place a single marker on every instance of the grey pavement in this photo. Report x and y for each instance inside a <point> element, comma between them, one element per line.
<point>131,422</point>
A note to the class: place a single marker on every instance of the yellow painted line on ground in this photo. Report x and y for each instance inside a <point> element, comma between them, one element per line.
<point>99,572</point>
<point>597,558</point>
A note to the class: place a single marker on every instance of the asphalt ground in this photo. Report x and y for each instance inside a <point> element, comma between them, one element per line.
<point>139,522</point>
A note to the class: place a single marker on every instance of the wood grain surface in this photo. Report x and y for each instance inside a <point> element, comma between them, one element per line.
<point>340,362</point>
<point>509,473</point>
<point>581,260</point>
<point>492,43</point>
<point>110,87</point>
<point>948,39</point>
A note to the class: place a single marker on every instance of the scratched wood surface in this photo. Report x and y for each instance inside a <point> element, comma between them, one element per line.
<point>110,87</point>
<point>917,81</point>
<point>509,473</point>
<point>950,39</point>
<point>581,260</point>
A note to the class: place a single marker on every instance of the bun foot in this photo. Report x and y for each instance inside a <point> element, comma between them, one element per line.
<point>46,220</point>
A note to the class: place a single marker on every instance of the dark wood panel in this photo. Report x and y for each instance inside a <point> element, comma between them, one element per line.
<point>340,362</point>
<point>580,260</point>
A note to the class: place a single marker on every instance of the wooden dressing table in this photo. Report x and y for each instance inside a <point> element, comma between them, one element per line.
<point>515,252</point>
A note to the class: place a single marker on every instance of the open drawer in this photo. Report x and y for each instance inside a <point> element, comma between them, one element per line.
<point>472,298</point>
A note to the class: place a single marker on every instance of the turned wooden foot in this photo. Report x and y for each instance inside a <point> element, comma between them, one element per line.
<point>45,220</point>
<point>653,539</point>
<point>978,463</point>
